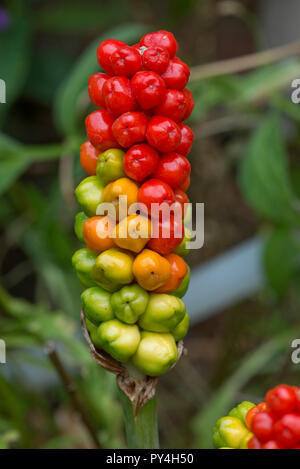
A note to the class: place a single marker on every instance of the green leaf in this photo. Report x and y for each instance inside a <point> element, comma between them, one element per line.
<point>264,176</point>
<point>66,112</point>
<point>83,17</point>
<point>281,258</point>
<point>14,53</point>
<point>264,82</point>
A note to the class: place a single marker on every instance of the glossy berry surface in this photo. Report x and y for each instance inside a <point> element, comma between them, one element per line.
<point>89,158</point>
<point>96,82</point>
<point>126,61</point>
<point>190,103</point>
<point>99,130</point>
<point>130,128</point>
<point>105,51</point>
<point>173,105</point>
<point>140,162</point>
<point>163,134</point>
<point>156,59</point>
<point>148,88</point>
<point>163,39</point>
<point>173,169</point>
<point>186,141</point>
<point>176,75</point>
<point>155,191</point>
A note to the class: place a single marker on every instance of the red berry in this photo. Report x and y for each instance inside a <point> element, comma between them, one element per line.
<point>105,51</point>
<point>262,426</point>
<point>126,61</point>
<point>261,407</point>
<point>282,399</point>
<point>254,443</point>
<point>173,105</point>
<point>155,191</point>
<point>177,74</point>
<point>136,46</point>
<point>287,430</point>
<point>271,444</point>
<point>96,82</point>
<point>163,133</point>
<point>148,89</point>
<point>99,130</point>
<point>130,128</point>
<point>180,199</point>
<point>156,59</point>
<point>186,184</point>
<point>168,232</point>
<point>89,158</point>
<point>118,96</point>
<point>173,169</point>
<point>186,142</point>
<point>190,103</point>
<point>163,39</point>
<point>140,162</point>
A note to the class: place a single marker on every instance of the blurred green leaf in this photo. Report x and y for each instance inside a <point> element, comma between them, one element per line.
<point>48,69</point>
<point>10,168</point>
<point>281,258</point>
<point>264,176</point>
<point>213,92</point>
<point>83,17</point>
<point>66,101</point>
<point>14,53</point>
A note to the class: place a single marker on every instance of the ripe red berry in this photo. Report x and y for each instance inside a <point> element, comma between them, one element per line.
<point>190,103</point>
<point>176,75</point>
<point>271,444</point>
<point>168,232</point>
<point>105,51</point>
<point>140,162</point>
<point>186,142</point>
<point>156,59</point>
<point>96,82</point>
<point>282,399</point>
<point>287,430</point>
<point>99,130</point>
<point>126,61</point>
<point>89,158</point>
<point>155,191</point>
<point>254,443</point>
<point>130,128</point>
<point>262,426</point>
<point>163,39</point>
<point>148,88</point>
<point>181,198</point>
<point>173,169</point>
<point>173,105</point>
<point>118,96</point>
<point>163,133</point>
<point>186,184</point>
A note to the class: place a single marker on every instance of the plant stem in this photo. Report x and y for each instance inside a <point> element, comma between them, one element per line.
<point>71,390</point>
<point>246,62</point>
<point>141,430</point>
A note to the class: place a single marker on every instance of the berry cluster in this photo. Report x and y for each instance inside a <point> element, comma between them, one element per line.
<point>137,147</point>
<point>275,423</point>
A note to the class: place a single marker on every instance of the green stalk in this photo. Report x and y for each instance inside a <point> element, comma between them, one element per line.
<point>141,430</point>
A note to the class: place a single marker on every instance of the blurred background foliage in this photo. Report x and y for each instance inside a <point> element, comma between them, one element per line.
<point>246,169</point>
